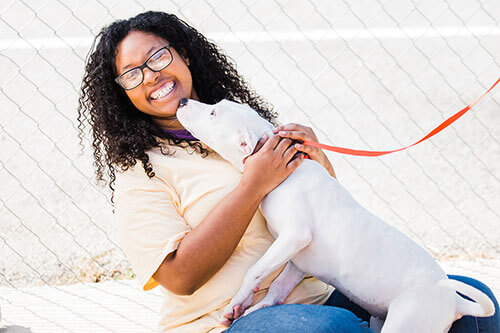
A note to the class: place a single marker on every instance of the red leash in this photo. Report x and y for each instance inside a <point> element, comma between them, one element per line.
<point>435,131</point>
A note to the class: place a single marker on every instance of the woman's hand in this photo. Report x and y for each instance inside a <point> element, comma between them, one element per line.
<point>303,133</point>
<point>271,164</point>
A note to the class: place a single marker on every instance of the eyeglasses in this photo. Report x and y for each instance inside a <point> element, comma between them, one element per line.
<point>156,62</point>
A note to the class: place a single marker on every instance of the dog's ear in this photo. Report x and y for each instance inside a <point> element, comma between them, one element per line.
<point>245,142</point>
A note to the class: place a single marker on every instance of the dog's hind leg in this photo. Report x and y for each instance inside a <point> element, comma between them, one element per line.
<point>285,247</point>
<point>281,287</point>
<point>376,324</point>
<point>429,308</point>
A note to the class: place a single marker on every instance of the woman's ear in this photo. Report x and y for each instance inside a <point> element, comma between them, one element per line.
<point>185,58</point>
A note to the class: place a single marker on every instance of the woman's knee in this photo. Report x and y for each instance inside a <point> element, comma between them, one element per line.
<point>300,318</point>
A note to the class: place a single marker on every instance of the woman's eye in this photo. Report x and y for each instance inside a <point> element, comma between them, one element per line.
<point>130,75</point>
<point>156,57</point>
<point>159,59</point>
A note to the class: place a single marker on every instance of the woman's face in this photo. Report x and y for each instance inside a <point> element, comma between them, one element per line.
<point>160,92</point>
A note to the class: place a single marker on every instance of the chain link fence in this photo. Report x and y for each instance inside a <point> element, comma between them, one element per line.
<point>364,74</point>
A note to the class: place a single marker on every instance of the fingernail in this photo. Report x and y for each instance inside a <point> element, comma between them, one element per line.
<point>282,132</point>
<point>298,145</point>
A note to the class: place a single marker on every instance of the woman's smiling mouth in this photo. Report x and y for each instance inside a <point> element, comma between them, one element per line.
<point>163,91</point>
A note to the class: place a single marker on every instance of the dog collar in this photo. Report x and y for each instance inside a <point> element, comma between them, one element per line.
<point>183,134</point>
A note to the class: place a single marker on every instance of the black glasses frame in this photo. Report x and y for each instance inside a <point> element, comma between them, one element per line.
<point>144,65</point>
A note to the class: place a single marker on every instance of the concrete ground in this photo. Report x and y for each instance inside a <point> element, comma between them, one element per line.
<point>120,306</point>
<point>112,306</point>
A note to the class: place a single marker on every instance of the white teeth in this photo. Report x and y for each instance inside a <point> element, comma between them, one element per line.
<point>163,91</point>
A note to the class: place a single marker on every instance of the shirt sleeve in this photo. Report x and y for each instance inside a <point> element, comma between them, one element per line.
<point>148,224</point>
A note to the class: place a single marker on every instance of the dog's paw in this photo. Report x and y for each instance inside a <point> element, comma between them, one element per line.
<point>265,302</point>
<point>256,307</point>
<point>236,308</point>
<point>230,314</point>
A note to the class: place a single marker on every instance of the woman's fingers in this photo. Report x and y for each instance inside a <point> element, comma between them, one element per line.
<point>289,153</point>
<point>295,135</point>
<point>293,127</point>
<point>272,142</point>
<point>271,165</point>
<point>306,149</point>
<point>283,145</point>
<point>295,162</point>
<point>299,133</point>
<point>303,133</point>
<point>296,132</point>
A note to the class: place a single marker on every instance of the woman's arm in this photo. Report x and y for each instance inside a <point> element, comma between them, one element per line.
<point>303,133</point>
<point>207,247</point>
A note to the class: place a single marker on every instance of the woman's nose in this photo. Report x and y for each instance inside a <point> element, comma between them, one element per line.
<point>150,76</point>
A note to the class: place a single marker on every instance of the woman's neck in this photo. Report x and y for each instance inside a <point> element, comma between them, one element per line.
<point>168,124</point>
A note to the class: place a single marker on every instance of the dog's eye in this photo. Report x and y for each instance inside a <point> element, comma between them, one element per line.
<point>212,114</point>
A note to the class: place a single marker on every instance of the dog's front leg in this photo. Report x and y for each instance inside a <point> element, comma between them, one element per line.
<point>285,247</point>
<point>281,287</point>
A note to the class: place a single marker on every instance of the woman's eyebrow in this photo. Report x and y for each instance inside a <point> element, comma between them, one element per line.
<point>147,54</point>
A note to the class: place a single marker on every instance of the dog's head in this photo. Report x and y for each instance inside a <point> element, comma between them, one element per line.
<point>229,128</point>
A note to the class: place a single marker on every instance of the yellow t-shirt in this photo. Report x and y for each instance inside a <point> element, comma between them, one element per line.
<point>153,215</point>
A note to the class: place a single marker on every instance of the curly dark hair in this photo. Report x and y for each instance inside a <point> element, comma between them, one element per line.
<point>121,133</point>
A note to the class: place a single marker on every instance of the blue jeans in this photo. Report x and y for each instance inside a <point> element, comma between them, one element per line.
<point>342,316</point>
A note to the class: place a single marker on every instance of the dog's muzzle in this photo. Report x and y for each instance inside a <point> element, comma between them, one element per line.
<point>183,102</point>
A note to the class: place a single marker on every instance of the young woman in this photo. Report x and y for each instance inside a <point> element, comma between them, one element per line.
<point>187,220</point>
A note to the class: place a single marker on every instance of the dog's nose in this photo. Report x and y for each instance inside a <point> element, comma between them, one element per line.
<point>183,102</point>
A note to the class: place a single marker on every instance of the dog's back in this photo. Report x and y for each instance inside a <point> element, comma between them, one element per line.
<point>349,244</point>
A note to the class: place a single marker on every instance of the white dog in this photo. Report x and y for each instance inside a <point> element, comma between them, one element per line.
<point>321,230</point>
